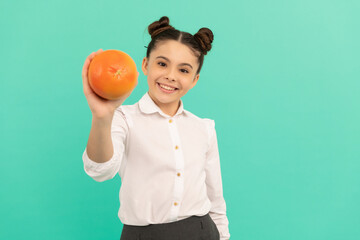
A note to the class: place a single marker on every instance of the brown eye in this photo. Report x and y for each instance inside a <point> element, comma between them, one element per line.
<point>184,70</point>
<point>162,64</point>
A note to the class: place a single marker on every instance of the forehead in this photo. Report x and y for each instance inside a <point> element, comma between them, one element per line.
<point>175,51</point>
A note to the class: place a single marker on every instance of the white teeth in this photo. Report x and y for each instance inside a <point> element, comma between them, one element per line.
<point>167,88</point>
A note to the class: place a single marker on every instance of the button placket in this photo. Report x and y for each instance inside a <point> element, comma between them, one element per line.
<point>179,165</point>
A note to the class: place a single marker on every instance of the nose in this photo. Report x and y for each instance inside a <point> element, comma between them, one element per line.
<point>170,75</point>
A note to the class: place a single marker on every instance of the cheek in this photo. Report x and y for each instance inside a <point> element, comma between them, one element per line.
<point>151,76</point>
<point>185,86</point>
<point>154,73</point>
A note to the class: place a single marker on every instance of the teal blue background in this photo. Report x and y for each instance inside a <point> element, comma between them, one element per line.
<point>281,82</point>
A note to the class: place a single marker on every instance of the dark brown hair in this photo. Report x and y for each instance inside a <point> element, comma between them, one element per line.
<point>200,42</point>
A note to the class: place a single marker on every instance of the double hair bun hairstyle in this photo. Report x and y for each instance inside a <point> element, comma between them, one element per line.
<point>200,42</point>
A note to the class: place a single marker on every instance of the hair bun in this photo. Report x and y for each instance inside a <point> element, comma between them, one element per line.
<point>159,26</point>
<point>205,37</point>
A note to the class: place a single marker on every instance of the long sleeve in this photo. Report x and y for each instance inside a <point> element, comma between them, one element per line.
<point>214,185</point>
<point>104,171</point>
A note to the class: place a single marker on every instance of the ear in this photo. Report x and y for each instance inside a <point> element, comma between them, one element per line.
<point>144,65</point>
<point>195,80</point>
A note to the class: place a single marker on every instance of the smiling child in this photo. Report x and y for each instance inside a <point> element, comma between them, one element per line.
<point>167,158</point>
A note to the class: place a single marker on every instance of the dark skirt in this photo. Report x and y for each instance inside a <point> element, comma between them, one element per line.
<point>192,228</point>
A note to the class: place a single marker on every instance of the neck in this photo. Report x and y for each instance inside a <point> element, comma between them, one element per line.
<point>168,108</point>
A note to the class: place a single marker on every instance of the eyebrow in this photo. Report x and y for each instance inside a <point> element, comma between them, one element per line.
<point>181,64</point>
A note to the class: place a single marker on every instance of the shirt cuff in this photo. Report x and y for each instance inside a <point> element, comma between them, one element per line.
<point>100,171</point>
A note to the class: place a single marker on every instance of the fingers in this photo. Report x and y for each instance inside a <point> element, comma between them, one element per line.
<point>137,79</point>
<point>86,68</point>
<point>88,60</point>
<point>93,54</point>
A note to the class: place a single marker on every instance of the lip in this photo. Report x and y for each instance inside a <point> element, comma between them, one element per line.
<point>164,90</point>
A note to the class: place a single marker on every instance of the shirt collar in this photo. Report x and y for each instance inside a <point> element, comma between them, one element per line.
<point>147,105</point>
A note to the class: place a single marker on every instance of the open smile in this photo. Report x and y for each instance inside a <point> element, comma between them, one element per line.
<point>166,88</point>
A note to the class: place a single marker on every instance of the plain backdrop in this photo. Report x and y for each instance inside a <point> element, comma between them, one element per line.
<point>282,83</point>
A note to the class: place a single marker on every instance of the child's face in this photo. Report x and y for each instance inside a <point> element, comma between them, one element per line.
<point>171,72</point>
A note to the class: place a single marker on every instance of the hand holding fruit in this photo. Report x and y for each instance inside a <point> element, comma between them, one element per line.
<point>109,77</point>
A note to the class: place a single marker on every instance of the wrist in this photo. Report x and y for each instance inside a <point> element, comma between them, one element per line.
<point>102,120</point>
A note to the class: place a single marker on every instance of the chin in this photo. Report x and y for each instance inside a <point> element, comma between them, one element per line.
<point>166,99</point>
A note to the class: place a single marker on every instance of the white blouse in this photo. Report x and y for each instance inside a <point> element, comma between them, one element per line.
<point>169,166</point>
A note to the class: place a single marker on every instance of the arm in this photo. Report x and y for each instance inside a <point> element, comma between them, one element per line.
<point>214,186</point>
<point>99,147</point>
<point>103,155</point>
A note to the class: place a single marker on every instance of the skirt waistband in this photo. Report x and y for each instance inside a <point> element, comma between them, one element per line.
<point>176,224</point>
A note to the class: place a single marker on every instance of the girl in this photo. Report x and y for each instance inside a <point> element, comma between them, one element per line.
<point>167,158</point>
